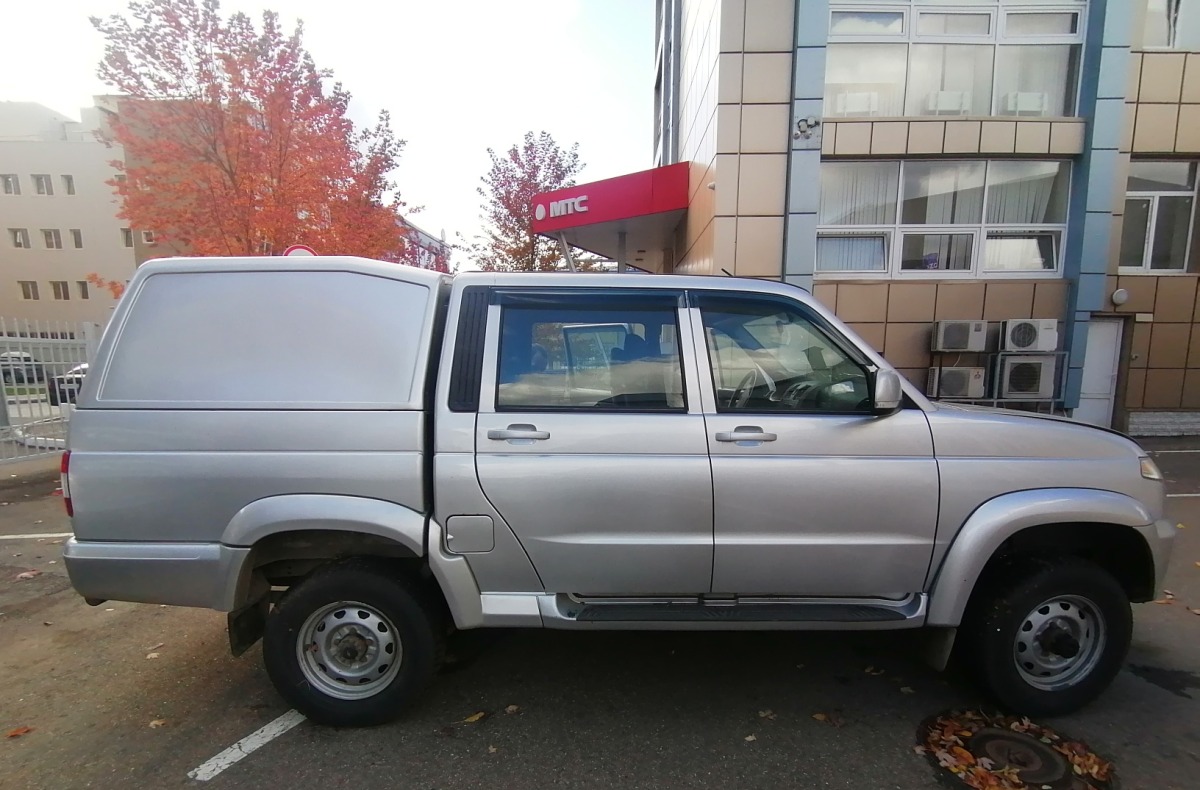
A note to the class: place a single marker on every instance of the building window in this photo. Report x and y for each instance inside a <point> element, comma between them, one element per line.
<point>42,184</point>
<point>1003,57</point>
<point>942,218</point>
<point>20,238</point>
<point>68,183</point>
<point>668,21</point>
<point>85,291</point>
<point>29,290</point>
<point>77,238</point>
<point>52,238</point>
<point>1160,204</point>
<point>10,183</point>
<point>1172,24</point>
<point>62,290</point>
<point>127,237</point>
<point>147,237</point>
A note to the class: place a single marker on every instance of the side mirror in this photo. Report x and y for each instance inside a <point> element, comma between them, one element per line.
<point>888,392</point>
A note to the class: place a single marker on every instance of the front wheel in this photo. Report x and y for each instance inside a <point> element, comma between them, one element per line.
<point>352,645</point>
<point>1049,638</point>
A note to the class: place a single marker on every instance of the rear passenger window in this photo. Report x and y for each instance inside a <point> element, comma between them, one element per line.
<point>588,356</point>
<point>269,340</point>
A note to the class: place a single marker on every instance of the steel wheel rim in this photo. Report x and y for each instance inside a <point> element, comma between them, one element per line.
<point>349,650</point>
<point>1042,648</point>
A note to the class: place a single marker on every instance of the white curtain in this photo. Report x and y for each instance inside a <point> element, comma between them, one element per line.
<point>852,253</point>
<point>1020,193</point>
<point>859,193</point>
<point>942,193</point>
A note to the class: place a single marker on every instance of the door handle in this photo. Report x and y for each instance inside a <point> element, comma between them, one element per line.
<point>517,433</point>
<point>746,433</point>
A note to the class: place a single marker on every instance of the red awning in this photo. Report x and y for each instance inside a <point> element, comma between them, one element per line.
<point>646,206</point>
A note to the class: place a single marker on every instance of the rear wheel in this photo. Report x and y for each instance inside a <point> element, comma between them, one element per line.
<point>1050,637</point>
<point>352,645</point>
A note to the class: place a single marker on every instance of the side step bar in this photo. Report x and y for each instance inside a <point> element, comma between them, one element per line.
<point>563,611</point>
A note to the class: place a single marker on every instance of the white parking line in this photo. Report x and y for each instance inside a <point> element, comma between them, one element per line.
<point>252,742</point>
<point>1182,496</point>
<point>1164,452</point>
<point>36,535</point>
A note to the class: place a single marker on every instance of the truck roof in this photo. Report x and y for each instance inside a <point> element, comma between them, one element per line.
<point>346,263</point>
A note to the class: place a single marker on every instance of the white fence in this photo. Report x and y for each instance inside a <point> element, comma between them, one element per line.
<point>40,364</point>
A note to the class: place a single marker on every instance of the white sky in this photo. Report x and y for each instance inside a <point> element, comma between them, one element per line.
<point>457,75</point>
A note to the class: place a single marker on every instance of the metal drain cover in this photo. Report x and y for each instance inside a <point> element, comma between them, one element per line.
<point>1010,753</point>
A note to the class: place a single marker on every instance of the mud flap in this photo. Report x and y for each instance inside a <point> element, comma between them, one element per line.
<point>939,644</point>
<point>246,625</point>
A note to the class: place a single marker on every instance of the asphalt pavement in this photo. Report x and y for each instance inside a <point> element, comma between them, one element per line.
<point>131,696</point>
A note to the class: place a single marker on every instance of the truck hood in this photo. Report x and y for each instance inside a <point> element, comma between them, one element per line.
<point>982,431</point>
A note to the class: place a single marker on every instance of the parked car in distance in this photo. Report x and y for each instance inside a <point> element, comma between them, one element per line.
<point>64,387</point>
<point>354,458</point>
<point>19,367</point>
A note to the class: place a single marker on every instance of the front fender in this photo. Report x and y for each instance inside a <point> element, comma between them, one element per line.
<point>292,513</point>
<point>998,519</point>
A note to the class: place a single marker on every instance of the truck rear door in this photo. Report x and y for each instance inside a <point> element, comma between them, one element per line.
<point>590,439</point>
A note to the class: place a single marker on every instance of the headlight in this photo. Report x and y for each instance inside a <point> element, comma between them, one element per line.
<point>1150,470</point>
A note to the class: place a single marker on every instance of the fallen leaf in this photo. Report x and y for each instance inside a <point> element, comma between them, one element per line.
<point>920,750</point>
<point>820,717</point>
<point>18,732</point>
<point>151,655</point>
<point>873,671</point>
<point>474,717</point>
<point>110,610</point>
<point>750,738</point>
<point>47,622</point>
<point>1198,564</point>
<point>512,709</point>
<point>1168,594</point>
<point>907,690</point>
<point>1194,611</point>
<point>156,647</point>
<point>154,725</point>
<point>27,575</point>
<point>767,714</point>
<point>1163,601</point>
<point>1177,526</point>
<point>492,750</point>
<point>53,562</point>
<point>55,542</point>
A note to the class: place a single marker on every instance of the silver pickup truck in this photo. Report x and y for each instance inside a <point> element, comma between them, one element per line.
<point>354,459</point>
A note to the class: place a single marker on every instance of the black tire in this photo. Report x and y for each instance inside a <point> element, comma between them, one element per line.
<point>405,605</point>
<point>998,616</point>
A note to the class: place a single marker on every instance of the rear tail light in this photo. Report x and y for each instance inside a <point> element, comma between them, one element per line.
<point>66,483</point>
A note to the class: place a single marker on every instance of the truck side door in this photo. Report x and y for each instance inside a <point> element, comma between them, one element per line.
<point>814,494</point>
<point>590,440</point>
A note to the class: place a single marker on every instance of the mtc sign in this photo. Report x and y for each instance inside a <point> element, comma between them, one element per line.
<point>561,208</point>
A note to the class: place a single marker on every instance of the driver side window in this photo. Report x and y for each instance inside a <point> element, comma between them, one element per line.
<point>768,356</point>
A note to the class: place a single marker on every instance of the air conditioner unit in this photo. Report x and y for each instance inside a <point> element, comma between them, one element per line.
<point>956,383</point>
<point>1031,334</point>
<point>960,336</point>
<point>857,103</point>
<point>1023,103</point>
<point>948,102</point>
<point>1027,377</point>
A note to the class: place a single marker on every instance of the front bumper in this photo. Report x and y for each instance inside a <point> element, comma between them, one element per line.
<point>205,575</point>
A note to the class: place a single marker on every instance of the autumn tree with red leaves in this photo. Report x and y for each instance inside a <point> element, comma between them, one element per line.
<point>235,143</point>
<point>537,165</point>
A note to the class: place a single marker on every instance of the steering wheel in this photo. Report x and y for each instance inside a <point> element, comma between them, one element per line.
<point>742,394</point>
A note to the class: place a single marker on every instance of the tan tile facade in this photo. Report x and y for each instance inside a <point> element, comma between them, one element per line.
<point>897,318</point>
<point>742,181</point>
<point>1163,356</point>
<point>899,137</point>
